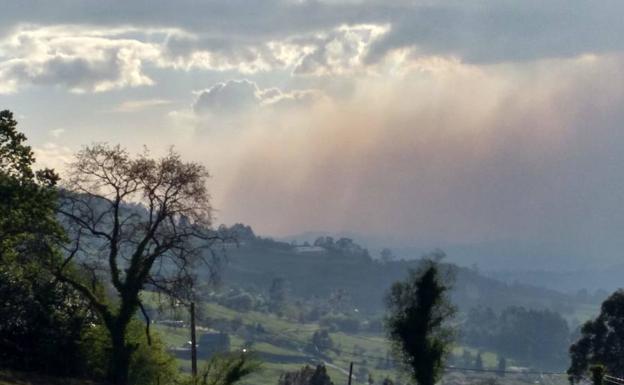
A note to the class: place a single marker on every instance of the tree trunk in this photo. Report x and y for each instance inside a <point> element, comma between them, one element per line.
<point>119,366</point>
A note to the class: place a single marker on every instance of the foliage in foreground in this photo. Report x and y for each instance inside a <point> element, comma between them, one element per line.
<point>150,218</point>
<point>307,376</point>
<point>149,364</point>
<point>39,316</point>
<point>417,324</point>
<point>602,340</point>
<point>226,369</point>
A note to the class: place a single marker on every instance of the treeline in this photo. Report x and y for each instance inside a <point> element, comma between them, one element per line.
<point>536,338</point>
<point>346,266</point>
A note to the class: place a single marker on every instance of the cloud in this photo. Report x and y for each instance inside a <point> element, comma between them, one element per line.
<point>291,100</point>
<point>188,51</point>
<point>462,154</point>
<point>339,51</point>
<point>446,121</point>
<point>118,50</point>
<point>332,51</point>
<point>53,155</point>
<point>229,97</point>
<point>242,96</point>
<point>87,59</point>
<point>476,31</point>
<point>140,105</point>
<point>77,58</point>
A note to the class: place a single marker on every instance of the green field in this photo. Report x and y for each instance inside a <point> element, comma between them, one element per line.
<point>287,341</point>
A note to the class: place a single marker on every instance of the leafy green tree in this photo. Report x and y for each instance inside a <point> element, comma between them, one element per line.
<point>39,316</point>
<point>277,295</point>
<point>226,369</point>
<point>135,223</point>
<point>150,363</point>
<point>321,341</point>
<point>597,374</point>
<point>602,341</point>
<point>417,323</point>
<point>28,199</point>
<point>39,319</point>
<point>538,338</point>
<point>306,376</point>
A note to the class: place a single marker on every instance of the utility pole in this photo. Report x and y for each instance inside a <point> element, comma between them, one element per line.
<point>350,372</point>
<point>193,342</point>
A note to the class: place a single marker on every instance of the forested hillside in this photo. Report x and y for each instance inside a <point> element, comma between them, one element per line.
<point>332,265</point>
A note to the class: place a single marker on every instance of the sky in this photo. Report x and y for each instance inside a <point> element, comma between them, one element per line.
<point>426,123</point>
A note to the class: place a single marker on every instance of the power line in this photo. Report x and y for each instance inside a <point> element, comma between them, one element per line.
<point>613,380</point>
<point>457,368</point>
<point>454,368</point>
<point>446,368</point>
<point>451,368</point>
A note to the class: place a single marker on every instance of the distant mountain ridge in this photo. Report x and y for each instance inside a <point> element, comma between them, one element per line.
<point>260,260</point>
<point>545,265</point>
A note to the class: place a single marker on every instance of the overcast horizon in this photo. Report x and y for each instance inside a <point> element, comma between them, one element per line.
<point>429,122</point>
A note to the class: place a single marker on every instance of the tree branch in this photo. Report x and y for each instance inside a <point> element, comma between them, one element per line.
<point>147,323</point>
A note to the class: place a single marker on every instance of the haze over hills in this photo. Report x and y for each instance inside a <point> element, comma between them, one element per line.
<point>340,263</point>
<point>405,179</point>
<point>551,265</point>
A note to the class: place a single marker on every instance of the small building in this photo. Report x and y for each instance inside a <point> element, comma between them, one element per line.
<point>208,343</point>
<point>212,342</point>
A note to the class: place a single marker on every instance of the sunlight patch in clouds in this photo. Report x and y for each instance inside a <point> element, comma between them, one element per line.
<point>84,59</point>
<point>79,59</point>
<point>242,96</point>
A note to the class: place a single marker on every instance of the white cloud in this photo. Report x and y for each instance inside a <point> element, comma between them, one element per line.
<point>331,51</point>
<point>229,97</point>
<point>339,51</point>
<point>88,59</point>
<point>482,31</point>
<point>140,105</point>
<point>187,51</point>
<point>53,155</point>
<point>235,96</point>
<point>80,59</point>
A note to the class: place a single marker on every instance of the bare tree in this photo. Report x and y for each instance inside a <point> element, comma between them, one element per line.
<point>134,223</point>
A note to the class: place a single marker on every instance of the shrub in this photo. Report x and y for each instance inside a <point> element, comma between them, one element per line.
<point>39,318</point>
<point>150,364</point>
<point>225,369</point>
<point>341,323</point>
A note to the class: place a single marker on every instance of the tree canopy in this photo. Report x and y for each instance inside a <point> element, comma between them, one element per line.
<point>27,197</point>
<point>40,316</point>
<point>602,340</point>
<point>134,223</point>
<point>417,324</point>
